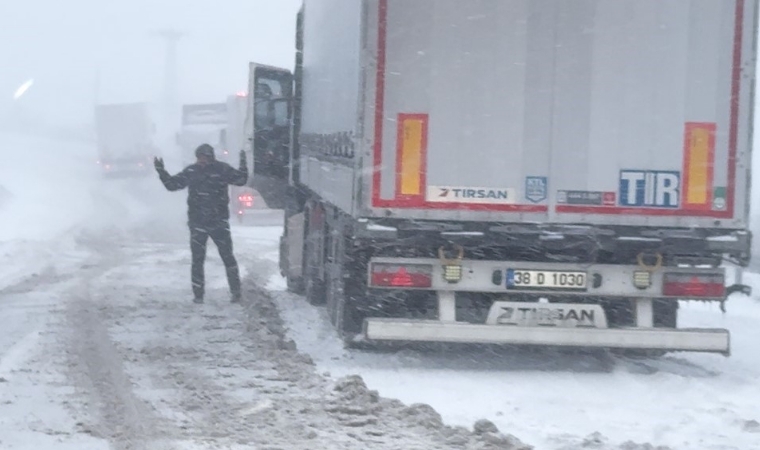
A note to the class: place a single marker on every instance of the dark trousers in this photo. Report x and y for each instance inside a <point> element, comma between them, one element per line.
<point>222,238</point>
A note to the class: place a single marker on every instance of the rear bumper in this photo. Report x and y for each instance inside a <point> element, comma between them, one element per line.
<point>691,340</point>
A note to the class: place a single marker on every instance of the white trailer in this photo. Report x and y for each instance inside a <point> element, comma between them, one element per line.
<point>125,138</point>
<point>536,172</point>
<point>233,138</point>
<point>201,124</point>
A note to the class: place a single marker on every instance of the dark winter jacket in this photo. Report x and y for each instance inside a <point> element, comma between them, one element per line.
<point>208,194</point>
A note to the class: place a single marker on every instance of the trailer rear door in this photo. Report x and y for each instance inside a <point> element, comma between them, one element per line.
<point>634,112</point>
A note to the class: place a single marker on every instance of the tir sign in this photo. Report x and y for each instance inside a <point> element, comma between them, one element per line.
<point>650,189</point>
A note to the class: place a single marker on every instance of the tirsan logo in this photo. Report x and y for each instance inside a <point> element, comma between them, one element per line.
<point>652,189</point>
<point>475,193</point>
<point>447,194</point>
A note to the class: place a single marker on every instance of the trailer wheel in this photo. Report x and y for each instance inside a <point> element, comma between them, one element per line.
<point>314,290</point>
<point>293,206</point>
<point>314,287</point>
<point>294,284</point>
<point>345,289</point>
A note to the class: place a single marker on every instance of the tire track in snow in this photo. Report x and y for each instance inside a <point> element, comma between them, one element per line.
<point>97,369</point>
<point>122,418</point>
<point>11,358</point>
<point>225,376</point>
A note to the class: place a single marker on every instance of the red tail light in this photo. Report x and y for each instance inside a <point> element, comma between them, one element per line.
<point>686,285</point>
<point>246,200</point>
<point>417,276</point>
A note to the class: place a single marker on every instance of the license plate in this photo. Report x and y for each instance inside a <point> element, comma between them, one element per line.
<point>546,280</point>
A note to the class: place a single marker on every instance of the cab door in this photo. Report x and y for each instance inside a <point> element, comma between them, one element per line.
<point>269,127</point>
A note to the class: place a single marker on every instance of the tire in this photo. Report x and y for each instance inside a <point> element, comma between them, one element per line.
<point>345,290</point>
<point>314,288</point>
<point>295,284</point>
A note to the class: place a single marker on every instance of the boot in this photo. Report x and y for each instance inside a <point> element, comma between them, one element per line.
<point>233,278</point>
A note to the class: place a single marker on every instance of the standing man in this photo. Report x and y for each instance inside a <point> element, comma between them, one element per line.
<point>208,211</point>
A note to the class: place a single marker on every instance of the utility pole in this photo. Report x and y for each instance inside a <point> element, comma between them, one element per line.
<point>171,102</point>
<point>171,78</point>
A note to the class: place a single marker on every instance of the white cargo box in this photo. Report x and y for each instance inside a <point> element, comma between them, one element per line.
<point>603,112</point>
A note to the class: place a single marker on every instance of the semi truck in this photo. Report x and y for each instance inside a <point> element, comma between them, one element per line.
<point>201,124</point>
<point>232,137</point>
<point>125,134</point>
<point>523,172</point>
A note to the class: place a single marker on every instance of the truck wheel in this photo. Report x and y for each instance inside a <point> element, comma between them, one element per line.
<point>314,290</point>
<point>295,284</point>
<point>313,259</point>
<point>344,314</point>
<point>345,289</point>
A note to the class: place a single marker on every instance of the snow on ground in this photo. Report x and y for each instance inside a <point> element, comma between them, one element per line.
<point>218,375</point>
<point>40,204</point>
<point>119,357</point>
<point>34,412</point>
<point>567,400</point>
<point>56,195</point>
<point>102,348</point>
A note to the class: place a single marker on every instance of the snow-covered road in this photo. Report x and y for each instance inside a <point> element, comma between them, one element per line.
<point>101,347</point>
<point>117,356</point>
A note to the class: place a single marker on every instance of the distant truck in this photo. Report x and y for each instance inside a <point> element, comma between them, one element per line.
<point>539,172</point>
<point>232,137</point>
<point>125,135</point>
<point>201,124</point>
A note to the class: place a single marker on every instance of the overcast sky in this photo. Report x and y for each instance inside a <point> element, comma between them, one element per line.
<point>63,44</point>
